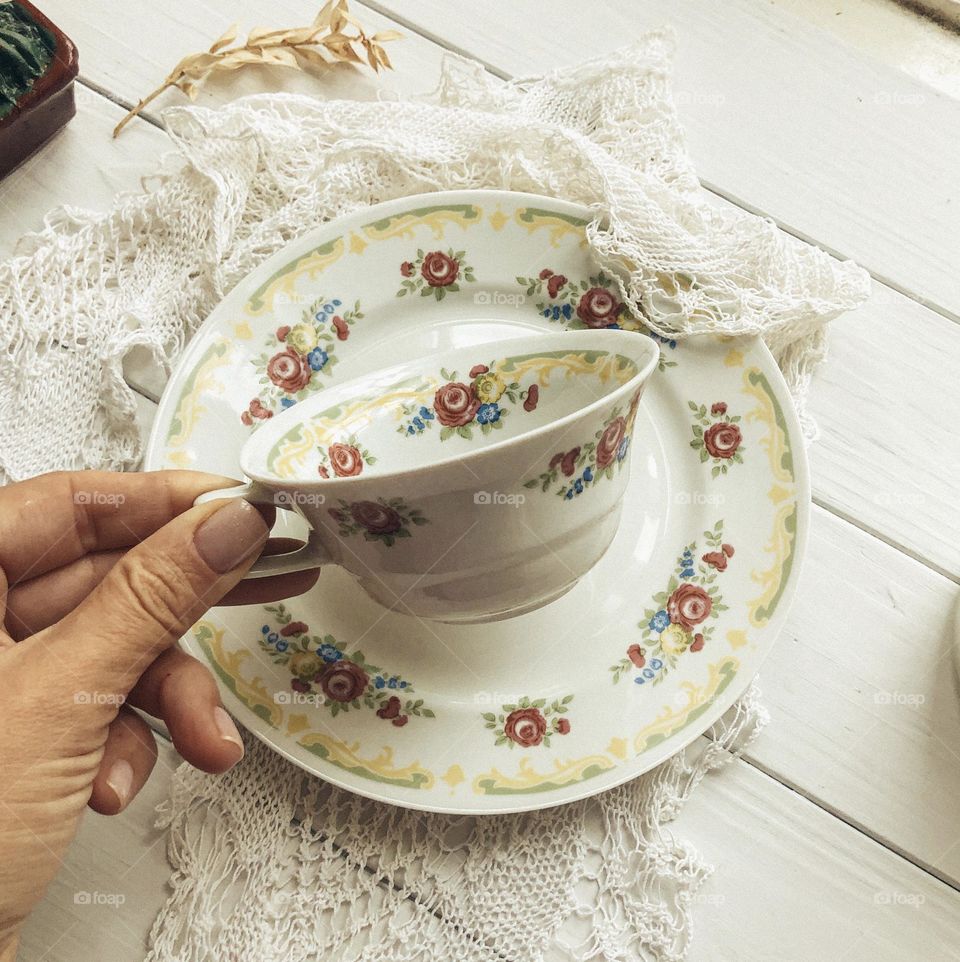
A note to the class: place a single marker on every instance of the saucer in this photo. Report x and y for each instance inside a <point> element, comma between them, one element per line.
<point>643,655</point>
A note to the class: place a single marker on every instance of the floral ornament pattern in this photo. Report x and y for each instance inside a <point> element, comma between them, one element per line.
<point>326,674</point>
<point>682,617</point>
<point>344,459</point>
<point>460,406</point>
<point>594,302</point>
<point>295,355</point>
<point>435,273</point>
<point>584,465</point>
<point>716,436</point>
<point>529,723</point>
<point>381,520</point>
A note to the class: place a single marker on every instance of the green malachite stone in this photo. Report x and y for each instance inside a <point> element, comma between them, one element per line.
<point>26,50</point>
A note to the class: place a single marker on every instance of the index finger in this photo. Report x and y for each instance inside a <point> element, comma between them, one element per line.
<point>54,519</point>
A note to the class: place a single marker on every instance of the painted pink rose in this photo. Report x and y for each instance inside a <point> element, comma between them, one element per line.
<point>555,283</point>
<point>406,268</point>
<point>455,404</point>
<point>562,726</point>
<point>375,517</point>
<point>532,399</point>
<point>345,459</point>
<point>598,308</point>
<point>294,628</point>
<point>282,332</point>
<point>322,471</point>
<point>545,273</point>
<point>340,325</point>
<point>716,559</point>
<point>689,605</point>
<point>637,655</point>
<point>722,439</point>
<point>289,371</point>
<point>609,442</point>
<point>720,407</point>
<point>400,721</point>
<point>259,411</point>
<point>477,370</point>
<point>727,549</point>
<point>525,726</point>
<point>439,269</point>
<point>246,419</point>
<point>343,680</point>
<point>697,642</point>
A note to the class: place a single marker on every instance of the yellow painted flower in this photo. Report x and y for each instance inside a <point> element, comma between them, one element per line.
<point>305,664</point>
<point>302,338</point>
<point>674,640</point>
<point>489,387</point>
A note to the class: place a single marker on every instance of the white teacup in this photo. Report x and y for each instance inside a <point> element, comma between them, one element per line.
<point>467,487</point>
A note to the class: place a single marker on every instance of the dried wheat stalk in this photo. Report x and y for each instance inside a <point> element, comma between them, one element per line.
<point>325,41</point>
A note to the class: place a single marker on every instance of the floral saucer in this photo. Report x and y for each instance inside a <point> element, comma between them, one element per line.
<point>638,659</point>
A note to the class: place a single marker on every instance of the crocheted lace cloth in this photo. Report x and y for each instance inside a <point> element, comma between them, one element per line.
<point>269,862</point>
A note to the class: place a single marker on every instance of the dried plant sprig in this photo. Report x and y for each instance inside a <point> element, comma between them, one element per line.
<point>327,40</point>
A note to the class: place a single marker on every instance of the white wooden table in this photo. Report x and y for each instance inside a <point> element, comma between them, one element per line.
<point>838,836</point>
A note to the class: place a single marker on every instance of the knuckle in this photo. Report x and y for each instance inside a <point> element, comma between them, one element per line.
<point>158,589</point>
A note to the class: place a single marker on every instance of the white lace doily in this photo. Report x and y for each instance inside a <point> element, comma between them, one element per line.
<point>269,863</point>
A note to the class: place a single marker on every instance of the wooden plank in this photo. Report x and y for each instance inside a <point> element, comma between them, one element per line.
<point>780,118</point>
<point>81,167</point>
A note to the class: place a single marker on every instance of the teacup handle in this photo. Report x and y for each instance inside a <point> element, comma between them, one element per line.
<point>310,555</point>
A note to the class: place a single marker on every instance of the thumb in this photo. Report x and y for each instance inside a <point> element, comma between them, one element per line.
<point>156,591</point>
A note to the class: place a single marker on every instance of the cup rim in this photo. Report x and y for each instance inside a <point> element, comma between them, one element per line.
<point>634,344</point>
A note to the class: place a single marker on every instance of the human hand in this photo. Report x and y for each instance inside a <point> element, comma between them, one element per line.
<point>100,574</point>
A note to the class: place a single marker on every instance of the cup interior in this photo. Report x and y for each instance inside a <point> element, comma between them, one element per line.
<point>415,416</point>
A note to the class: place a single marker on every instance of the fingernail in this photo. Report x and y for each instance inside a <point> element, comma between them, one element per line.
<point>228,730</point>
<point>120,780</point>
<point>231,535</point>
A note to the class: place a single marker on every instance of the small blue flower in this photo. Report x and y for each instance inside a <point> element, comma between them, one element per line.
<point>329,652</point>
<point>556,312</point>
<point>657,663</point>
<point>273,638</point>
<point>328,308</point>
<point>418,423</point>
<point>488,413</point>
<point>687,573</point>
<point>337,302</point>
<point>622,450</point>
<point>403,684</point>
<point>378,682</point>
<point>546,312</point>
<point>287,402</point>
<point>410,429</point>
<point>578,486</point>
<point>426,413</point>
<point>319,316</point>
<point>588,474</point>
<point>566,311</point>
<point>282,645</point>
<point>317,358</point>
<point>660,621</point>
<point>392,682</point>
<point>613,327</point>
<point>569,494</point>
<point>266,629</point>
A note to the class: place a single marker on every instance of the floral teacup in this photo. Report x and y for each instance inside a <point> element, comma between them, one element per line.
<point>467,487</point>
